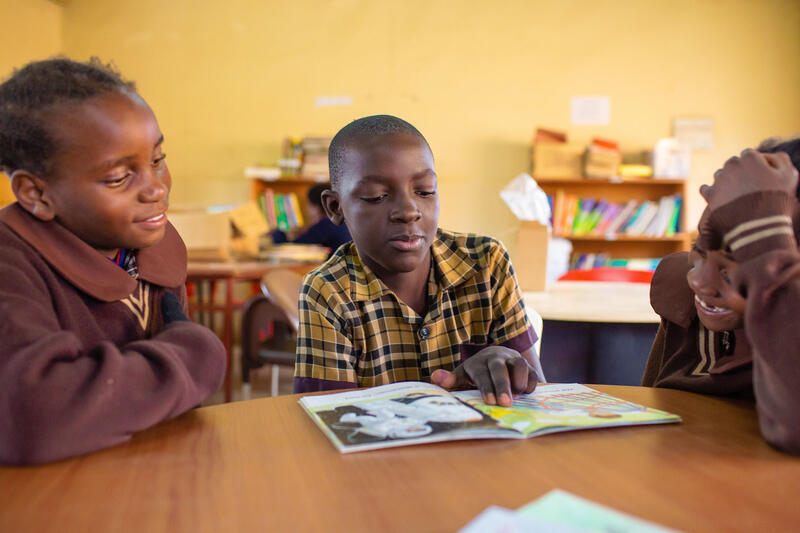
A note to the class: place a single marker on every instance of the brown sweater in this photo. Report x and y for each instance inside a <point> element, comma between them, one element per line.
<point>762,359</point>
<point>85,359</point>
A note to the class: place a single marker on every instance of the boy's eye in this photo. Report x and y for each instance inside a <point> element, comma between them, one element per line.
<point>117,180</point>
<point>425,194</point>
<point>158,160</point>
<point>373,199</point>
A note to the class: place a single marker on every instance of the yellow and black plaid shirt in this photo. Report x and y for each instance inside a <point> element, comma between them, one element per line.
<point>354,331</point>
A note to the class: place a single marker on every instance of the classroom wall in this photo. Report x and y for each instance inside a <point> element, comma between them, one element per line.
<point>229,79</point>
<point>31,30</point>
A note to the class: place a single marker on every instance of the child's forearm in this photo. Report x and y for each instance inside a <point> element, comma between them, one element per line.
<point>62,399</point>
<point>772,283</point>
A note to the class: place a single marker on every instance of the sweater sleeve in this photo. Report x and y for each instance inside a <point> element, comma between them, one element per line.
<point>758,230</point>
<point>60,398</point>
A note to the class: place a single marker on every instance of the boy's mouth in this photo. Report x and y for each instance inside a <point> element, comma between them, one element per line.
<point>711,309</point>
<point>407,243</point>
<point>154,221</point>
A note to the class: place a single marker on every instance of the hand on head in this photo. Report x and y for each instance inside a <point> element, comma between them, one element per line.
<point>751,172</point>
<point>498,372</point>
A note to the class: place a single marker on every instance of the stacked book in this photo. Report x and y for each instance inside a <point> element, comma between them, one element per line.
<point>281,211</point>
<point>576,216</point>
<point>315,157</point>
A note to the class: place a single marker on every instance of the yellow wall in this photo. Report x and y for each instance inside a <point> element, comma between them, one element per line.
<point>229,79</point>
<point>31,30</point>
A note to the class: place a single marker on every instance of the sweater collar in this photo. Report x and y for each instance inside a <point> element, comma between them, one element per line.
<point>87,269</point>
<point>451,263</point>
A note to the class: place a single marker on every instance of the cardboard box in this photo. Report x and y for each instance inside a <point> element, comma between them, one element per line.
<point>602,163</point>
<point>530,257</point>
<point>557,160</point>
<point>207,235</point>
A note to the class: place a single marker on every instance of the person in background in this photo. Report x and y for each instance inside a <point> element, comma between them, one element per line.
<point>407,300</point>
<point>728,306</point>
<point>321,230</point>
<point>95,344</point>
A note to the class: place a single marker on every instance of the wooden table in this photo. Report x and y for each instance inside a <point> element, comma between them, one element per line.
<point>594,301</point>
<point>228,273</point>
<point>263,465</point>
<point>594,331</point>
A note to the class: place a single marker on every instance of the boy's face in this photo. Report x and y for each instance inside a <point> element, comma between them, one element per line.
<point>110,183</point>
<point>719,305</point>
<point>389,200</point>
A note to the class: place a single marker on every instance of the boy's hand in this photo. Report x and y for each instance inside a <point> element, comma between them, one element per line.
<point>751,172</point>
<point>498,372</point>
<point>171,309</point>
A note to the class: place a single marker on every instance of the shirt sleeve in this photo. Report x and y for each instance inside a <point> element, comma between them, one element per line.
<point>60,398</point>
<point>510,322</point>
<point>758,230</point>
<point>325,354</point>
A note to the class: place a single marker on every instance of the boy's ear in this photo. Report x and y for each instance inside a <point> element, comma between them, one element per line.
<point>30,191</point>
<point>332,206</point>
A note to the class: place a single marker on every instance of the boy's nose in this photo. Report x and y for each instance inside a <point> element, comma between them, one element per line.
<point>154,189</point>
<point>700,283</point>
<point>405,209</point>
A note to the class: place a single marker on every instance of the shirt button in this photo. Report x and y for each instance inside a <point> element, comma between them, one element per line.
<point>424,332</point>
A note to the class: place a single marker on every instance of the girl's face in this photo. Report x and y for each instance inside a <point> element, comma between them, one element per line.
<point>110,183</point>
<point>720,307</point>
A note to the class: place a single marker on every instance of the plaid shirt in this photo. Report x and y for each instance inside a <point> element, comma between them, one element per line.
<point>354,331</point>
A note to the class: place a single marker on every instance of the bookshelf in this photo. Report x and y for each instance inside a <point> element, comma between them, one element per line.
<point>299,185</point>
<point>620,191</point>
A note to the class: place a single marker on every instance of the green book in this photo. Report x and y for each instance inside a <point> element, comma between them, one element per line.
<point>283,220</point>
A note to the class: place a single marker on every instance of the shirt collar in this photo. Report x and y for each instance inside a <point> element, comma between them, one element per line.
<point>87,269</point>
<point>451,262</point>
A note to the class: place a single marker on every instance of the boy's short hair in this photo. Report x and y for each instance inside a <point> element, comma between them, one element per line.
<point>372,126</point>
<point>30,92</point>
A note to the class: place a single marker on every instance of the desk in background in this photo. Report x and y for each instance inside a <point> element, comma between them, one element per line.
<point>204,276</point>
<point>595,332</point>
<point>263,465</point>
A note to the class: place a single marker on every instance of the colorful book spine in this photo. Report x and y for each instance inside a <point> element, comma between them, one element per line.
<point>280,213</point>
<point>674,222</point>
<point>269,208</point>
<point>298,213</point>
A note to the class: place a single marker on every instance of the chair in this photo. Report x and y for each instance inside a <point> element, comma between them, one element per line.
<point>538,326</point>
<point>276,311</point>
<point>608,274</point>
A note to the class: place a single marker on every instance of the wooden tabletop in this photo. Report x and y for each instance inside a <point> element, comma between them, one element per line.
<point>594,301</point>
<point>262,465</point>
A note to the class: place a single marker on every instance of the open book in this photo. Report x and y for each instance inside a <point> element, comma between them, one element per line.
<point>415,413</point>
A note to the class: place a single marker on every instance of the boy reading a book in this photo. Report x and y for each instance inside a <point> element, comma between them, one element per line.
<point>94,342</point>
<point>407,300</point>
<point>731,329</point>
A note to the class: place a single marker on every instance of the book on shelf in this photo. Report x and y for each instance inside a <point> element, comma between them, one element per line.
<point>590,260</point>
<point>412,412</point>
<point>281,211</point>
<point>582,216</point>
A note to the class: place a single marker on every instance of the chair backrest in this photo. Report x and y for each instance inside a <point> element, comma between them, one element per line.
<point>609,274</point>
<point>282,287</point>
<point>538,326</point>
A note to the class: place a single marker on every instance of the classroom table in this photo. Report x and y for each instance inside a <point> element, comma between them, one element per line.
<point>595,331</point>
<point>205,275</point>
<point>262,465</point>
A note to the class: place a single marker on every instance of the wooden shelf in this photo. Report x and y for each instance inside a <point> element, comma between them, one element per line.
<point>298,185</point>
<point>619,190</point>
<point>678,237</point>
<point>611,181</point>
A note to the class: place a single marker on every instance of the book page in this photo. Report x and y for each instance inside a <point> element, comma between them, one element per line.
<point>398,415</point>
<point>566,407</point>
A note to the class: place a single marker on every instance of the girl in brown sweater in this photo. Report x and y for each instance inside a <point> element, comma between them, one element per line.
<point>94,342</point>
<point>729,307</point>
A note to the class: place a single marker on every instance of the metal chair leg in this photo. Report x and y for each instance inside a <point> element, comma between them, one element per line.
<point>275,375</point>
